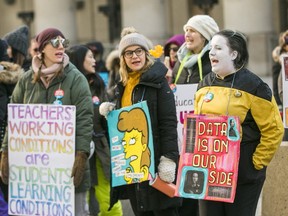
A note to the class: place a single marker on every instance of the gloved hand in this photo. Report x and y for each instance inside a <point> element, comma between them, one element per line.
<point>105,108</point>
<point>79,167</point>
<point>167,169</point>
<point>4,167</point>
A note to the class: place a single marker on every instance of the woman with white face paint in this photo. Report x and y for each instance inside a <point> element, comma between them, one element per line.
<point>235,91</point>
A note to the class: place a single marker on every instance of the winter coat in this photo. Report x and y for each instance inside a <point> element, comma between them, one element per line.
<point>154,89</point>
<point>261,125</point>
<point>76,92</point>
<point>100,134</point>
<point>9,75</point>
<point>192,75</point>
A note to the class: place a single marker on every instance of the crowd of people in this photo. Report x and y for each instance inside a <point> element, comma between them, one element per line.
<point>44,69</point>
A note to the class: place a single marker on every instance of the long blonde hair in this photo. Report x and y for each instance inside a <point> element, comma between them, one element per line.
<point>124,69</point>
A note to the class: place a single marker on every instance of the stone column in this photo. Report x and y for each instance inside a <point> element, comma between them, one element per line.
<point>255,19</point>
<point>148,18</point>
<point>57,14</point>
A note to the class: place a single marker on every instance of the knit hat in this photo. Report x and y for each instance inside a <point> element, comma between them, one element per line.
<point>204,24</point>
<point>46,35</point>
<point>177,39</point>
<point>3,51</point>
<point>133,38</point>
<point>18,39</point>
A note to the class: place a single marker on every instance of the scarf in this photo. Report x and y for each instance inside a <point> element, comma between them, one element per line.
<point>193,58</point>
<point>47,73</point>
<point>133,80</point>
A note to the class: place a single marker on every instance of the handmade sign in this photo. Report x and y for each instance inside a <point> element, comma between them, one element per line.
<point>41,147</point>
<point>208,166</point>
<point>131,145</point>
<point>184,101</point>
<point>284,73</point>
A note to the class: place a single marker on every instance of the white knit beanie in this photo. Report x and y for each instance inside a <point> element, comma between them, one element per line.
<point>133,39</point>
<point>204,24</point>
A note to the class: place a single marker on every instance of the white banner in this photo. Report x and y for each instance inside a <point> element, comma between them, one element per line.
<point>184,99</point>
<point>41,150</point>
<point>284,72</point>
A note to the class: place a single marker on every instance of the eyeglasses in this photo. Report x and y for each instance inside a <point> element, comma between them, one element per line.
<point>175,49</point>
<point>56,42</point>
<point>129,53</point>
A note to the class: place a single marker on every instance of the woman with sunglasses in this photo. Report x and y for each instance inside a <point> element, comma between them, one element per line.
<point>54,80</point>
<point>170,52</point>
<point>143,79</point>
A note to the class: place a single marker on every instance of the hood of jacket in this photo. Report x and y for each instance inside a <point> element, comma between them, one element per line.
<point>10,72</point>
<point>154,74</point>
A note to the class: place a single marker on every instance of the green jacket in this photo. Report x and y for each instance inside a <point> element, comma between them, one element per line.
<point>76,92</point>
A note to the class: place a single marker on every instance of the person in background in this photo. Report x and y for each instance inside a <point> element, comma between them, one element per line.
<point>170,53</point>
<point>113,66</point>
<point>277,54</point>
<point>33,48</point>
<point>192,65</point>
<point>235,91</point>
<point>9,75</point>
<point>18,42</point>
<point>193,55</point>
<point>83,58</point>
<point>52,72</point>
<point>144,78</point>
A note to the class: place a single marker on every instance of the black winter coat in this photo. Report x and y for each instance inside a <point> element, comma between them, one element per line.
<point>154,89</point>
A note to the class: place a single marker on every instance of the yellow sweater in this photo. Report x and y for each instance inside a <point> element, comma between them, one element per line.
<point>133,80</point>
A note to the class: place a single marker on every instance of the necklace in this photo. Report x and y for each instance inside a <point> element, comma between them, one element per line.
<point>209,95</point>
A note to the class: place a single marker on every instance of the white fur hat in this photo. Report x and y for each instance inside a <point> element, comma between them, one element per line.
<point>204,24</point>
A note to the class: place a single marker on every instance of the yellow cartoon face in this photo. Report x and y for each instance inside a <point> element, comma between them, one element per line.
<point>134,148</point>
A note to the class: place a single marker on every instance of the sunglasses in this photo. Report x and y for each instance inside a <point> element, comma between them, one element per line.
<point>175,49</point>
<point>56,42</point>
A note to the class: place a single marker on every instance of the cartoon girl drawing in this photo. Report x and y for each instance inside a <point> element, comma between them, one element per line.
<point>134,125</point>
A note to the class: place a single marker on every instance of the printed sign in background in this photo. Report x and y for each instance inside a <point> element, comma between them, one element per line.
<point>285,89</point>
<point>208,166</point>
<point>41,155</point>
<point>131,145</point>
<point>184,99</point>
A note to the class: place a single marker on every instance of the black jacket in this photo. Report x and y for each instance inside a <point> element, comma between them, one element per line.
<point>154,89</point>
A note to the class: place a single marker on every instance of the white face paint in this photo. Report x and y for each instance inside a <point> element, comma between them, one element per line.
<point>221,56</point>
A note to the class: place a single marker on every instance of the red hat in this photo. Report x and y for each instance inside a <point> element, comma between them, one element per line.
<point>46,35</point>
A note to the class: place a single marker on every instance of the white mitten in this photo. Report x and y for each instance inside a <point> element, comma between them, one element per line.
<point>105,108</point>
<point>167,169</point>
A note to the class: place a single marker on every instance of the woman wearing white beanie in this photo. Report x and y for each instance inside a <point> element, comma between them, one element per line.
<point>193,64</point>
<point>193,56</point>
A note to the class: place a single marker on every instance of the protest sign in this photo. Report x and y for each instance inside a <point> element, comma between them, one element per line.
<point>131,145</point>
<point>208,166</point>
<point>41,147</point>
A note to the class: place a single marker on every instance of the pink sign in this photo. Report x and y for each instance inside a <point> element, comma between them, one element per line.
<point>208,166</point>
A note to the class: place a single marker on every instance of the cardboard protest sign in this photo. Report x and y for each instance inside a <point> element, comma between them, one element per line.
<point>284,73</point>
<point>184,99</point>
<point>41,147</point>
<point>208,166</point>
<point>131,145</point>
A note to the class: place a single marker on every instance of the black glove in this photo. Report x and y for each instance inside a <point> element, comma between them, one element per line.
<point>4,167</point>
<point>79,167</point>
